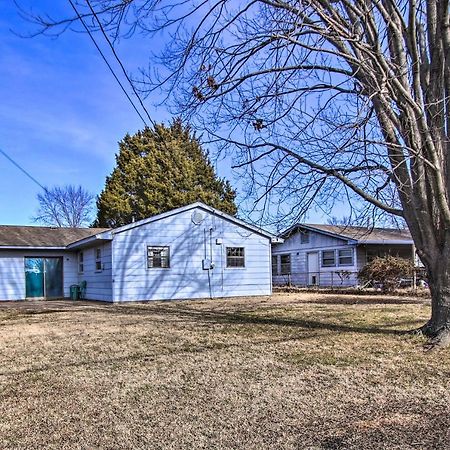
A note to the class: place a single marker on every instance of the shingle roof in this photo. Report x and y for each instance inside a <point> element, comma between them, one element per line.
<point>29,236</point>
<point>360,234</point>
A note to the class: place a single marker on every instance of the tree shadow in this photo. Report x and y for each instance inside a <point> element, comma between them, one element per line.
<point>178,311</point>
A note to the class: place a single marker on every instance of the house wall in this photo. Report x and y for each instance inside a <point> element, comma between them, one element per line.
<point>98,283</point>
<point>12,271</point>
<point>327,276</point>
<point>189,245</point>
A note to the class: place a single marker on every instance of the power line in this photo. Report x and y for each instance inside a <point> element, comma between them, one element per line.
<point>22,170</point>
<point>80,18</point>
<point>111,46</point>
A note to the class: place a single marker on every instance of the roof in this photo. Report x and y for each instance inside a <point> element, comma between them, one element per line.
<point>12,236</point>
<point>48,237</point>
<point>210,209</point>
<point>362,235</point>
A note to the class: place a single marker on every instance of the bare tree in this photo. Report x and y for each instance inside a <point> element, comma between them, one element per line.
<point>66,206</point>
<point>317,99</point>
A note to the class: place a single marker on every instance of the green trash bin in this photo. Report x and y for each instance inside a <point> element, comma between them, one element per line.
<point>74,292</point>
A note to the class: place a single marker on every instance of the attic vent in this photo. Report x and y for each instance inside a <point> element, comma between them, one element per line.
<point>197,217</point>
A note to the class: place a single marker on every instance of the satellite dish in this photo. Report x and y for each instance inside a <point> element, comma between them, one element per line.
<point>197,217</point>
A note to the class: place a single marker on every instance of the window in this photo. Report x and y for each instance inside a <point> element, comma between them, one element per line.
<point>304,237</point>
<point>274,265</point>
<point>80,262</point>
<point>345,257</point>
<point>98,259</point>
<point>328,258</point>
<point>235,257</point>
<point>158,257</point>
<point>285,264</point>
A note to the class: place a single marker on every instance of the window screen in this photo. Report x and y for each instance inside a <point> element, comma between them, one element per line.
<point>328,258</point>
<point>235,257</point>
<point>158,257</point>
<point>285,264</point>
<point>345,257</point>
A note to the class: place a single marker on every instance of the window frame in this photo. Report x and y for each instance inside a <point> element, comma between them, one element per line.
<point>351,256</point>
<point>80,263</point>
<point>275,266</point>
<point>234,258</point>
<point>322,258</point>
<point>282,265</point>
<point>162,257</point>
<point>304,236</point>
<point>98,259</point>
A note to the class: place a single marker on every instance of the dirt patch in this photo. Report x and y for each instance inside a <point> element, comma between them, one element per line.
<point>292,371</point>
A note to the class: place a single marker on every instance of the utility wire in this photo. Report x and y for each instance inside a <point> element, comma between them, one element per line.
<point>80,18</point>
<point>111,46</point>
<point>22,169</point>
<point>105,35</point>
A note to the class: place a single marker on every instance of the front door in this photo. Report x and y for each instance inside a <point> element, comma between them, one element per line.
<point>313,268</point>
<point>43,277</point>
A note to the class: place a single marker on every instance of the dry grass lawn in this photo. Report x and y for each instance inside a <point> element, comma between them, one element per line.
<point>295,371</point>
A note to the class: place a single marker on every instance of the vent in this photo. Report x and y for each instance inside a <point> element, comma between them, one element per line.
<point>197,217</point>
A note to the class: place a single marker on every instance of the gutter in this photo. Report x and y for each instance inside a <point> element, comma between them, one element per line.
<point>27,247</point>
<point>387,242</point>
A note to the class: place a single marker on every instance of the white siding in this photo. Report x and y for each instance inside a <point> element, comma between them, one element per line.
<point>98,283</point>
<point>317,243</point>
<point>12,271</point>
<point>189,243</point>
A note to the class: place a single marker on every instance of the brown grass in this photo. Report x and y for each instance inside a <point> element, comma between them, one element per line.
<point>295,371</point>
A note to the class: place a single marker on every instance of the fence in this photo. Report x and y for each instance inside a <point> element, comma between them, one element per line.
<point>337,279</point>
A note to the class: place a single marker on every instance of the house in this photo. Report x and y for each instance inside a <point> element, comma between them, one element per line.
<point>329,255</point>
<point>191,252</point>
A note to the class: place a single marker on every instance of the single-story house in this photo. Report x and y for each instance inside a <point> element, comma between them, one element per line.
<point>330,255</point>
<point>191,252</point>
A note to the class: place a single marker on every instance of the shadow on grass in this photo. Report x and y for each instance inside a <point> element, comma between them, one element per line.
<point>177,311</point>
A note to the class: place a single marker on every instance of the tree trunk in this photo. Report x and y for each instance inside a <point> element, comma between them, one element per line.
<point>437,329</point>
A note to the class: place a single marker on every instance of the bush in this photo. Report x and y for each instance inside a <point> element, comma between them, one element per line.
<point>387,272</point>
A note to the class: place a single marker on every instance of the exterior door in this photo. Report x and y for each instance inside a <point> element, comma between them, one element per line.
<point>313,268</point>
<point>43,277</point>
<point>34,277</point>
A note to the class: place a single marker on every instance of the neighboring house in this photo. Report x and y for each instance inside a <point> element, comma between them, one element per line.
<point>191,252</point>
<point>329,255</point>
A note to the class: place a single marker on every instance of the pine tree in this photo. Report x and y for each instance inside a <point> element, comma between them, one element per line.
<point>159,169</point>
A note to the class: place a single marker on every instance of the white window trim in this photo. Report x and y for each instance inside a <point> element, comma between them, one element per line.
<point>98,259</point>
<point>169,257</point>
<point>277,271</point>
<point>321,259</point>
<point>227,267</point>
<point>352,254</point>
<point>290,264</point>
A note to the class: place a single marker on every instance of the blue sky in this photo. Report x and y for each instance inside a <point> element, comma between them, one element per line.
<point>61,111</point>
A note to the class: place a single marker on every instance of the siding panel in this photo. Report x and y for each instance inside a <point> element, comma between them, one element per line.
<point>12,271</point>
<point>189,245</point>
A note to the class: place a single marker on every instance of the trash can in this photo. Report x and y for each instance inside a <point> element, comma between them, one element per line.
<point>74,292</point>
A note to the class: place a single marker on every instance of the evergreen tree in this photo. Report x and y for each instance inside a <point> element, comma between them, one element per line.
<point>157,170</point>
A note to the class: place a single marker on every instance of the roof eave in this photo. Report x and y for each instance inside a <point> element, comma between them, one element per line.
<point>387,241</point>
<point>30,247</point>
<point>187,208</point>
<point>86,242</point>
<point>318,230</point>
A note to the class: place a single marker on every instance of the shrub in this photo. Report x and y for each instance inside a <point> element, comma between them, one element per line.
<point>387,271</point>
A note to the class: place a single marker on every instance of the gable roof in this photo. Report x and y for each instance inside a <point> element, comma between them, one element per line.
<point>107,234</point>
<point>17,237</point>
<point>359,235</point>
<point>12,236</point>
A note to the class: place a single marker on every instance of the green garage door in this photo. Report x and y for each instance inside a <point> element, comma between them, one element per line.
<point>44,277</point>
